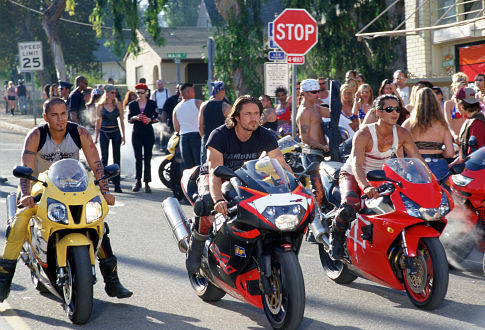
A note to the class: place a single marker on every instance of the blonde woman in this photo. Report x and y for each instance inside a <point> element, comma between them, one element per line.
<point>412,97</point>
<point>430,132</point>
<point>108,112</point>
<point>453,116</point>
<point>364,97</point>
<point>11,97</point>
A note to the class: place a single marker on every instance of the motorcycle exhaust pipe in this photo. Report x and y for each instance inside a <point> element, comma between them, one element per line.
<point>178,222</point>
<point>319,231</point>
<point>11,206</point>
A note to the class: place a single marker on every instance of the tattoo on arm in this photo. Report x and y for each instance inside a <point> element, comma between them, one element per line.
<point>25,187</point>
<point>304,129</point>
<point>99,173</point>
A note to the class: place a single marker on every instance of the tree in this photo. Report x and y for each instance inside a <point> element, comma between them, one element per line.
<point>50,20</point>
<point>181,12</point>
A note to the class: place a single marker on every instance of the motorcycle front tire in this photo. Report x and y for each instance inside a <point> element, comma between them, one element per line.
<point>78,290</point>
<point>285,306</point>
<point>164,172</point>
<point>336,270</point>
<point>427,288</point>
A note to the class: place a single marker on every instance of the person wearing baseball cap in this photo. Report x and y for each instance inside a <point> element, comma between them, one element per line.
<point>309,121</point>
<point>474,126</point>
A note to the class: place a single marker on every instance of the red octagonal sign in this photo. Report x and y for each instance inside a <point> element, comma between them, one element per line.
<point>295,31</point>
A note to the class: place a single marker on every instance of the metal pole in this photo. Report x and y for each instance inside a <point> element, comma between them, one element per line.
<point>210,56</point>
<point>178,72</point>
<point>31,103</point>
<point>293,101</point>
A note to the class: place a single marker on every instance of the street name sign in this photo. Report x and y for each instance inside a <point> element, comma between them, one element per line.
<point>275,75</point>
<point>271,42</point>
<point>295,31</point>
<point>176,55</point>
<point>276,56</point>
<point>30,56</point>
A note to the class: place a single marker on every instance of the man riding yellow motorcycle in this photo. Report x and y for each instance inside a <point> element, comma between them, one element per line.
<point>57,139</point>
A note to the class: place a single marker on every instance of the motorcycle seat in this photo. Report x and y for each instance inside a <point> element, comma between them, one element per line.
<point>331,169</point>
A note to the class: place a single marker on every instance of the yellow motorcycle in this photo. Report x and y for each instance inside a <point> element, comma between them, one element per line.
<point>165,169</point>
<point>65,233</point>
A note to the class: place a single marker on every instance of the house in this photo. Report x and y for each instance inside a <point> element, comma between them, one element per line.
<point>449,37</point>
<point>111,65</point>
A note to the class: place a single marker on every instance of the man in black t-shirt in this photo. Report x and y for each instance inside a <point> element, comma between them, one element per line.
<point>76,99</point>
<point>241,139</point>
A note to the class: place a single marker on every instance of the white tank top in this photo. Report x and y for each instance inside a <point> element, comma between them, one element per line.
<point>188,116</point>
<point>374,159</point>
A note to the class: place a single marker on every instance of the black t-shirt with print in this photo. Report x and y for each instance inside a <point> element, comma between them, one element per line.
<point>234,151</point>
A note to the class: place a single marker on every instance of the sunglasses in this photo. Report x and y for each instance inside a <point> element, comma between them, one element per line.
<point>313,92</point>
<point>140,93</point>
<point>479,80</point>
<point>112,92</point>
<point>391,109</point>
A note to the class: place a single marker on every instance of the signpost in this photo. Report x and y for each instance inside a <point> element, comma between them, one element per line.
<point>275,75</point>
<point>295,32</point>
<point>176,57</point>
<point>30,59</point>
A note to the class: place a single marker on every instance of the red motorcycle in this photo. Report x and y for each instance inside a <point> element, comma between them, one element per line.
<point>468,191</point>
<point>395,239</point>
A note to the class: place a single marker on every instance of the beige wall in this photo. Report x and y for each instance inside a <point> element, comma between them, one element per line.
<point>149,60</point>
<point>113,70</point>
<point>427,50</point>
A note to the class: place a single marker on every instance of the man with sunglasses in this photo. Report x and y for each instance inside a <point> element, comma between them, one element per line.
<point>64,90</point>
<point>372,146</point>
<point>323,95</point>
<point>309,120</point>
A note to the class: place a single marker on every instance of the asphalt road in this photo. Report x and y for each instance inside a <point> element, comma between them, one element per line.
<point>151,265</point>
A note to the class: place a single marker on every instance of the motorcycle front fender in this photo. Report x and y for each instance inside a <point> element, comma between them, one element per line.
<point>72,239</point>
<point>414,234</point>
<point>167,157</point>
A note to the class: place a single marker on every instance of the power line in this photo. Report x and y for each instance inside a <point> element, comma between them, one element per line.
<point>63,19</point>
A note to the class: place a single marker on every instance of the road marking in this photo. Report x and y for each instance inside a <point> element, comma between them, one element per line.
<point>8,314</point>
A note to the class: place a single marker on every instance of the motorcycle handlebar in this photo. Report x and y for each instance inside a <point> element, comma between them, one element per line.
<point>231,208</point>
<point>382,188</point>
<point>36,200</point>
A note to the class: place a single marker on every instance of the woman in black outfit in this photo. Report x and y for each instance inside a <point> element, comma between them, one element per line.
<point>108,110</point>
<point>142,114</point>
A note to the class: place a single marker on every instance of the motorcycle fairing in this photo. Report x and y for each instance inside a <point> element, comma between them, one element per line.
<point>414,234</point>
<point>242,291</point>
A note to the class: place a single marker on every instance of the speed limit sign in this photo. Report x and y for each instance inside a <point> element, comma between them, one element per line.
<point>30,56</point>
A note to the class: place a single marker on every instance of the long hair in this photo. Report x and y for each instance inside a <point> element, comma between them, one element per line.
<point>362,86</point>
<point>412,96</point>
<point>236,109</point>
<point>427,111</point>
<point>343,88</point>
<point>104,100</point>
<point>126,100</point>
<point>383,84</point>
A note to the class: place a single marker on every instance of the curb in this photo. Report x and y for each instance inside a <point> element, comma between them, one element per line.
<point>14,127</point>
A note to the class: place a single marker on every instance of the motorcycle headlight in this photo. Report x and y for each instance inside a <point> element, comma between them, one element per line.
<point>94,210</point>
<point>428,214</point>
<point>285,217</point>
<point>57,211</point>
<point>461,180</point>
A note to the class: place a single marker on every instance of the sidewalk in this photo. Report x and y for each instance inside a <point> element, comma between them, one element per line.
<point>18,123</point>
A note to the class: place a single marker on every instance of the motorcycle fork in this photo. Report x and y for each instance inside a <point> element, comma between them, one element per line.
<point>264,268</point>
<point>408,262</point>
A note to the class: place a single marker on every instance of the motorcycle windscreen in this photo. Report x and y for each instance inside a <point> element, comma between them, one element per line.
<point>269,174</point>
<point>476,160</point>
<point>410,169</point>
<point>69,175</point>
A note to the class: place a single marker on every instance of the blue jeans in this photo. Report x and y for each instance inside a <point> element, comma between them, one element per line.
<point>190,149</point>
<point>203,150</point>
<point>22,101</point>
<point>439,166</point>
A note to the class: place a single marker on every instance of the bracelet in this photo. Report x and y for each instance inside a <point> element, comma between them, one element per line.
<point>220,200</point>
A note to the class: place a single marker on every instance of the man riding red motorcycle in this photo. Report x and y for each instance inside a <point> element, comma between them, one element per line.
<point>372,145</point>
<point>239,140</point>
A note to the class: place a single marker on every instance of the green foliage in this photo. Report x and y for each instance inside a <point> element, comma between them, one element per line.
<point>125,13</point>
<point>338,50</point>
<point>239,56</point>
<point>181,12</point>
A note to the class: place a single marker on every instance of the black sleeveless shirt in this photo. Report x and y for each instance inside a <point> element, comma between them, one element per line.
<point>213,116</point>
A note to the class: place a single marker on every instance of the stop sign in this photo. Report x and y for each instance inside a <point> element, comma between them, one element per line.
<point>295,31</point>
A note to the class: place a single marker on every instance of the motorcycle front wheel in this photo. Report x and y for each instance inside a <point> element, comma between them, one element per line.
<point>78,289</point>
<point>427,284</point>
<point>336,270</point>
<point>164,172</point>
<point>285,305</point>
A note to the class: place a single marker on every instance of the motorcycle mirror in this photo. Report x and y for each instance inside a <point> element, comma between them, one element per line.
<point>109,172</point>
<point>24,172</point>
<point>376,175</point>
<point>457,168</point>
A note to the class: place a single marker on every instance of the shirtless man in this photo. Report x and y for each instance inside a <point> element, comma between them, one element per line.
<point>309,121</point>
